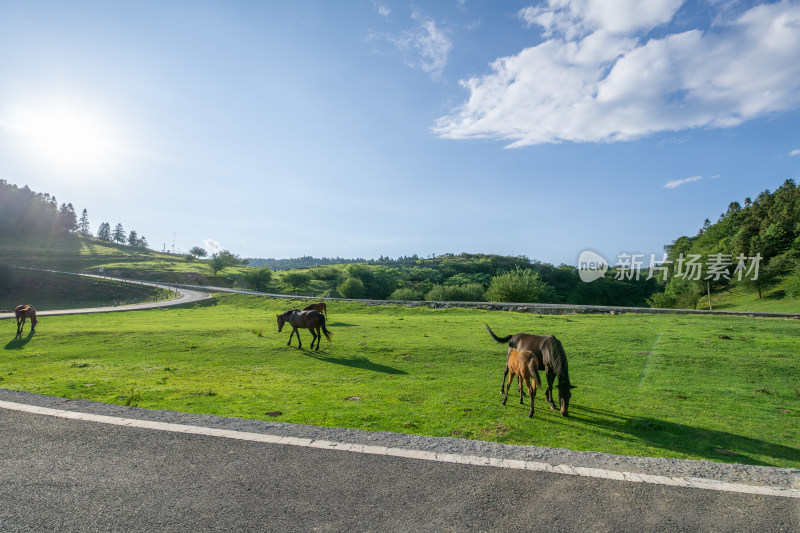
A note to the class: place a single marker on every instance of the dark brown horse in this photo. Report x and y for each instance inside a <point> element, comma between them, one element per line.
<point>320,307</point>
<point>550,356</point>
<point>312,320</point>
<point>24,312</point>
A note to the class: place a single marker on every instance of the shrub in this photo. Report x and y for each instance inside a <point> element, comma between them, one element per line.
<point>472,292</point>
<point>519,285</point>
<point>351,288</point>
<point>258,278</point>
<point>662,300</point>
<point>405,293</point>
<point>793,288</point>
<point>296,280</point>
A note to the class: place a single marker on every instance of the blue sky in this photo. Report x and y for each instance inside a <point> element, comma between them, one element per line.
<point>368,128</point>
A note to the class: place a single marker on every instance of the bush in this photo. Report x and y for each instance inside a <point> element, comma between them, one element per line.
<point>328,272</point>
<point>296,280</point>
<point>793,288</point>
<point>258,278</point>
<point>662,300</point>
<point>472,292</point>
<point>351,288</point>
<point>406,294</point>
<point>519,285</point>
<point>678,294</point>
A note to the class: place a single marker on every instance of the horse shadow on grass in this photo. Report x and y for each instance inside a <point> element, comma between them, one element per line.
<point>361,363</point>
<point>710,444</point>
<point>19,342</point>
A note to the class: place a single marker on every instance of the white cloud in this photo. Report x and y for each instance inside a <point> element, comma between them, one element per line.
<point>677,183</point>
<point>795,152</point>
<point>425,47</point>
<point>596,79</point>
<point>382,9</point>
<point>575,18</point>
<point>212,246</point>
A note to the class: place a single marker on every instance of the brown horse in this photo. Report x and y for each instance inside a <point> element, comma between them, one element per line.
<point>24,312</point>
<point>550,356</point>
<point>312,320</point>
<point>524,365</point>
<point>320,308</point>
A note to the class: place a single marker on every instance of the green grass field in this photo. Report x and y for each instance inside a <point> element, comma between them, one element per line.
<point>707,387</point>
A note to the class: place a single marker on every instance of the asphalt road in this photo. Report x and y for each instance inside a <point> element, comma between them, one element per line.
<point>71,475</point>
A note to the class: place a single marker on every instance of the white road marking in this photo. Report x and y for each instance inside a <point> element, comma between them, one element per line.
<point>690,482</point>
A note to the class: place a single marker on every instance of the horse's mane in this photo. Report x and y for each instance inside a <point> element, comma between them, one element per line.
<point>558,360</point>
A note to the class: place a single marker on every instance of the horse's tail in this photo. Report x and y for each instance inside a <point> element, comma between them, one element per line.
<point>327,333</point>
<point>495,337</point>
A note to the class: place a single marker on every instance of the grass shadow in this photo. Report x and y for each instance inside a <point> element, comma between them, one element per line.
<point>19,342</point>
<point>341,325</point>
<point>709,444</point>
<point>355,362</point>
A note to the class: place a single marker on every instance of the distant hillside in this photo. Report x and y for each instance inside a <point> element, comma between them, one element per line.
<point>752,247</point>
<point>300,262</point>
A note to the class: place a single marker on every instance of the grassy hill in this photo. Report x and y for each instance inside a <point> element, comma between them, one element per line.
<point>742,298</point>
<point>49,290</point>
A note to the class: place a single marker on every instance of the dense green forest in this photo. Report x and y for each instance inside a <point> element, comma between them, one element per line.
<point>752,245</point>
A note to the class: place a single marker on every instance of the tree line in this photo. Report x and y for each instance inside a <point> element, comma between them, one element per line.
<point>754,245</point>
<point>25,212</point>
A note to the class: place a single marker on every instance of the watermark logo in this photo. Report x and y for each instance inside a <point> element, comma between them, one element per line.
<point>692,267</point>
<point>591,266</point>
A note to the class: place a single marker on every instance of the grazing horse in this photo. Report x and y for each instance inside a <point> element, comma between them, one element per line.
<point>312,320</point>
<point>550,356</point>
<point>320,307</point>
<point>524,365</point>
<point>23,312</point>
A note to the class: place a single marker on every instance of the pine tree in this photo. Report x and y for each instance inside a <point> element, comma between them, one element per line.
<point>119,235</point>
<point>104,232</point>
<point>67,220</point>
<point>83,225</point>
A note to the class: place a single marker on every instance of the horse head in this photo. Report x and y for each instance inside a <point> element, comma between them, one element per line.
<point>564,394</point>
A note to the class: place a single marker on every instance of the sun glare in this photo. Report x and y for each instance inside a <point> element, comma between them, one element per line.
<point>64,136</point>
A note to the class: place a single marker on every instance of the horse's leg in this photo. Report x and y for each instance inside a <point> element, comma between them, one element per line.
<point>548,394</point>
<point>316,335</point>
<point>508,386</point>
<point>503,384</point>
<point>19,326</point>
<point>532,392</point>
<point>294,330</point>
